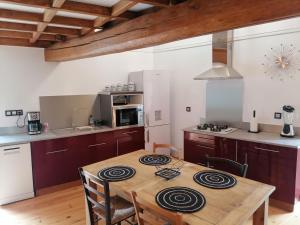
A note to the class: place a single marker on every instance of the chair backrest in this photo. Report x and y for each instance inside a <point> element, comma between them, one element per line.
<point>167,146</point>
<point>241,168</point>
<point>95,190</point>
<point>150,214</point>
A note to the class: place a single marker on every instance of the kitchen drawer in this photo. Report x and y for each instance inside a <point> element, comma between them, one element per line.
<point>196,152</point>
<point>206,140</point>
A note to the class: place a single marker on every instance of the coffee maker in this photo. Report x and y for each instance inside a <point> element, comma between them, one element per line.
<point>288,118</point>
<point>34,124</point>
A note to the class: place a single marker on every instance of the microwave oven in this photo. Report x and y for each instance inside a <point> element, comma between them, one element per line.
<point>127,115</point>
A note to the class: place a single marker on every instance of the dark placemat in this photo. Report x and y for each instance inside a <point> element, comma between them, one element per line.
<point>116,173</point>
<point>215,179</point>
<point>155,160</point>
<point>180,199</point>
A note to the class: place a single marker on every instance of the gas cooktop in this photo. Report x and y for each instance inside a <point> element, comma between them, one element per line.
<point>215,128</point>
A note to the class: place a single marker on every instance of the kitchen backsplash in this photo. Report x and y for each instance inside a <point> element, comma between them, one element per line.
<point>68,110</point>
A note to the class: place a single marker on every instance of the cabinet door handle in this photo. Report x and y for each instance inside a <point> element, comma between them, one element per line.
<point>265,149</point>
<point>117,147</point>
<point>201,164</point>
<point>58,151</point>
<point>246,158</point>
<point>95,145</point>
<point>203,146</point>
<point>11,149</point>
<point>130,132</point>
<point>147,119</point>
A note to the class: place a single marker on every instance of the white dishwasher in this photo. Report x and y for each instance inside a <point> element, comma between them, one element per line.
<point>16,181</point>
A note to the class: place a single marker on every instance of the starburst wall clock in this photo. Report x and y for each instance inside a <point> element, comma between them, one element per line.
<point>282,62</point>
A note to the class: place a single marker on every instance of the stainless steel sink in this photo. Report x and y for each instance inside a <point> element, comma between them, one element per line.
<point>73,130</point>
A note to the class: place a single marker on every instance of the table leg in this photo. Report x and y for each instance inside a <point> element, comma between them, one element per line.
<point>260,216</point>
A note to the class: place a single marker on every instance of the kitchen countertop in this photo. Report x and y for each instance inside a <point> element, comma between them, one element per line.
<point>262,137</point>
<point>14,139</point>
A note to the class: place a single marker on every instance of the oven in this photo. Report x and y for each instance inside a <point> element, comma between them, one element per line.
<point>128,115</point>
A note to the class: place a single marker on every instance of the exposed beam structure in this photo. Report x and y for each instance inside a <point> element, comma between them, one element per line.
<point>24,42</point>
<point>31,28</point>
<point>117,9</point>
<point>38,17</point>
<point>188,19</point>
<point>28,35</point>
<point>160,3</point>
<point>70,6</point>
<point>48,16</point>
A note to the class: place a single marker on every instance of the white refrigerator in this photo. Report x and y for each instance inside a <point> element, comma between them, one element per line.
<point>155,84</point>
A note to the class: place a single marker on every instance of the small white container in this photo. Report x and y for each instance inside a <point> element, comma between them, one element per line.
<point>131,86</point>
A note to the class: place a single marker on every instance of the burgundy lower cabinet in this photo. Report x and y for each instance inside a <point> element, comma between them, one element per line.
<point>53,162</point>
<point>57,161</point>
<point>129,140</point>
<point>197,146</point>
<point>269,164</point>
<point>96,147</point>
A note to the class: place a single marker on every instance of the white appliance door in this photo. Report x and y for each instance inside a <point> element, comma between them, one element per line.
<point>159,135</point>
<point>156,98</point>
<point>15,173</point>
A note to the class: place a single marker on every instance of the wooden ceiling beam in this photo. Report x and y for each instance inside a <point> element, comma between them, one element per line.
<point>24,42</point>
<point>38,17</point>
<point>118,9</point>
<point>160,3</point>
<point>70,6</point>
<point>28,35</point>
<point>30,27</point>
<point>49,14</point>
<point>185,20</point>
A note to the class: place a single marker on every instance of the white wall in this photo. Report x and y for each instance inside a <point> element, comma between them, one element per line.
<point>25,76</point>
<point>189,57</point>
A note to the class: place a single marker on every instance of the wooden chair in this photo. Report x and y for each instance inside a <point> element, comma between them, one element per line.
<point>166,146</point>
<point>100,205</point>
<point>150,214</point>
<point>240,168</point>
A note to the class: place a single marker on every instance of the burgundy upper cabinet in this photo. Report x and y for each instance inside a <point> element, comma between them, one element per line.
<point>129,140</point>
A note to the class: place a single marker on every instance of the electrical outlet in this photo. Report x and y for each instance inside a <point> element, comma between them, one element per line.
<point>188,109</point>
<point>18,112</point>
<point>277,115</point>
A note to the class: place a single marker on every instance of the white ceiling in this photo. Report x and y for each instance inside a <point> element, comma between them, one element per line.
<point>106,3</point>
<point>76,15</point>
<point>140,6</point>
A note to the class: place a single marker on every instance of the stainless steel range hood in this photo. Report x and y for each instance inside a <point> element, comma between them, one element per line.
<point>222,59</point>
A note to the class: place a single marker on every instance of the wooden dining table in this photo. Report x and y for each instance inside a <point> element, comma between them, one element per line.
<point>232,206</point>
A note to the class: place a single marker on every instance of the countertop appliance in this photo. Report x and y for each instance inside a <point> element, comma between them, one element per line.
<point>288,118</point>
<point>122,109</point>
<point>155,84</point>
<point>215,128</point>
<point>15,173</point>
<point>34,123</point>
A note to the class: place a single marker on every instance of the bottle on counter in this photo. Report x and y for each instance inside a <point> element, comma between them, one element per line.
<point>91,121</point>
<point>253,123</point>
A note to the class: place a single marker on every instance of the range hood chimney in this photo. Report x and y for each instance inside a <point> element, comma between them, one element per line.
<point>222,59</point>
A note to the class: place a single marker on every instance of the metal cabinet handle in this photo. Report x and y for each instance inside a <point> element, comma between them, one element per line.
<point>117,147</point>
<point>147,119</point>
<point>203,146</point>
<point>130,132</point>
<point>58,151</point>
<point>95,145</point>
<point>265,149</point>
<point>201,164</point>
<point>148,136</point>
<point>246,158</point>
<point>11,149</point>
